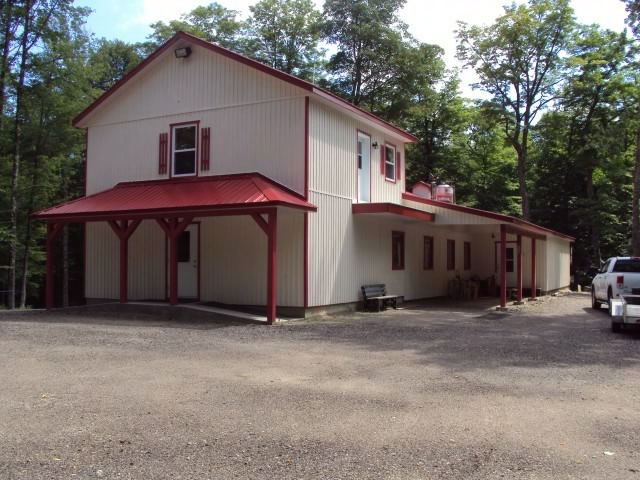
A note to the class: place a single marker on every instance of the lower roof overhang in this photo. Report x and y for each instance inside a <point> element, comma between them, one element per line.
<point>242,194</point>
<point>392,209</point>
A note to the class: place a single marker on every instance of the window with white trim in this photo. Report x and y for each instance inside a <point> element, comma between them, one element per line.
<point>184,153</point>
<point>390,162</point>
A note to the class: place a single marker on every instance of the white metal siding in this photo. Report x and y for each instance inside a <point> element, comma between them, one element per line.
<point>347,251</point>
<point>147,262</point>
<point>333,156</point>
<point>256,122</point>
<point>558,263</point>
<point>146,269</point>
<point>234,260</point>
<point>205,80</point>
<point>102,262</point>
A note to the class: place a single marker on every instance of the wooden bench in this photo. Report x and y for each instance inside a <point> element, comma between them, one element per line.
<point>376,295</point>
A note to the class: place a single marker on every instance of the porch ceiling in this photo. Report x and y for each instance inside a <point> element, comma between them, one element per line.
<point>213,195</point>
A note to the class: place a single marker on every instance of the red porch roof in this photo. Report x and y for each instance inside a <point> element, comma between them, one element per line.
<point>214,195</point>
<point>517,222</point>
<point>392,209</point>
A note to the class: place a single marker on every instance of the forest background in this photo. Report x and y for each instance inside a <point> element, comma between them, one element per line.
<point>555,138</point>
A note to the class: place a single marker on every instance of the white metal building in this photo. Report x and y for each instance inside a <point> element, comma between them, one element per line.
<point>214,178</point>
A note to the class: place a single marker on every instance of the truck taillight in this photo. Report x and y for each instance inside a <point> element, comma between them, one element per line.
<point>620,280</point>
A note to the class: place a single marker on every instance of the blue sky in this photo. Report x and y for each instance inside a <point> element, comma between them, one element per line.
<point>431,21</point>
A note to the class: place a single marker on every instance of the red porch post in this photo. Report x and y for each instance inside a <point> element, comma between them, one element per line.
<point>533,268</point>
<point>53,229</point>
<point>503,266</point>
<point>173,227</point>
<point>123,229</point>
<point>272,266</point>
<point>270,227</point>
<point>519,267</point>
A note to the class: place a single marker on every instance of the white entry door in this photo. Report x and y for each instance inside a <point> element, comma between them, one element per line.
<point>511,265</point>
<point>187,253</point>
<point>364,168</point>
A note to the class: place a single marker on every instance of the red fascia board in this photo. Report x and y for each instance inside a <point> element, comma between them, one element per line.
<point>150,214</point>
<point>358,208</point>
<point>483,213</point>
<point>303,84</point>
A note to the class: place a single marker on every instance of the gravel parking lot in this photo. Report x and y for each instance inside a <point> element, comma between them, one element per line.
<point>427,392</point>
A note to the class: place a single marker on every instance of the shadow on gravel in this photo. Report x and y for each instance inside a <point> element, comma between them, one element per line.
<point>491,339</point>
<point>132,315</point>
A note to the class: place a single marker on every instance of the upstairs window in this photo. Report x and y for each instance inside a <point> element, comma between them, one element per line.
<point>184,152</point>
<point>390,162</point>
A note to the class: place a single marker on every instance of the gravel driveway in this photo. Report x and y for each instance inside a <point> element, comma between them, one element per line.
<point>546,392</point>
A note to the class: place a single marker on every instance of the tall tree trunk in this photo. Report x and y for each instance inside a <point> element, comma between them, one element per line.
<point>593,222</point>
<point>15,170</point>
<point>65,266</point>
<point>7,12</point>
<point>635,215</point>
<point>522,183</point>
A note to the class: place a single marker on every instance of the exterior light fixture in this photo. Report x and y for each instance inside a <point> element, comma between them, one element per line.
<point>375,145</point>
<point>182,52</point>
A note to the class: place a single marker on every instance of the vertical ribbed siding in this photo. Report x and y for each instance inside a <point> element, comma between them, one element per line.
<point>204,80</point>
<point>234,260</point>
<point>256,122</point>
<point>103,253</point>
<point>333,156</point>
<point>347,251</point>
<point>558,263</point>
<point>147,262</point>
<point>266,138</point>
<point>146,270</point>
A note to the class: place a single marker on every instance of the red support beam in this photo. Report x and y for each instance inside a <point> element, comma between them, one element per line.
<point>173,227</point>
<point>53,229</point>
<point>272,264</point>
<point>533,268</point>
<point>262,223</point>
<point>519,268</point>
<point>503,266</point>
<point>123,229</point>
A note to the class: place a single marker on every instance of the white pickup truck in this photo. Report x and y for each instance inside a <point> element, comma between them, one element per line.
<point>618,277</point>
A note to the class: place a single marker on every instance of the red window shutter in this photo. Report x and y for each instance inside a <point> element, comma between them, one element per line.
<point>382,158</point>
<point>398,167</point>
<point>205,149</point>
<point>163,153</point>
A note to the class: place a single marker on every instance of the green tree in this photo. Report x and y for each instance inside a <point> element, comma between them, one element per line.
<point>110,60</point>
<point>518,61</point>
<point>370,42</point>
<point>213,22</point>
<point>633,20</point>
<point>284,34</point>
<point>581,174</point>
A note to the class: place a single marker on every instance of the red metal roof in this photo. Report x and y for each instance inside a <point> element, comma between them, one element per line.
<point>225,194</point>
<point>298,82</point>
<point>484,213</point>
<point>392,208</point>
